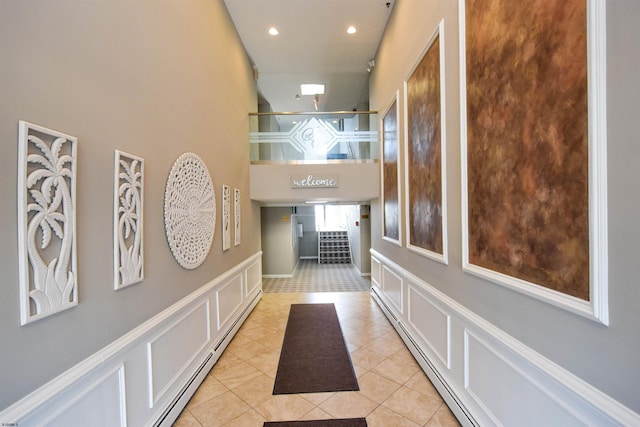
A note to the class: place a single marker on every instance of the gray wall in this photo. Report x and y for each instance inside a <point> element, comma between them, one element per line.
<point>153,78</point>
<point>604,356</point>
<point>279,255</point>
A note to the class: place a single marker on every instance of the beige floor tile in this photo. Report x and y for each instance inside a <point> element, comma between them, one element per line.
<point>226,360</point>
<point>316,398</point>
<point>284,407</point>
<point>209,389</point>
<point>396,371</point>
<point>315,414</point>
<point>348,405</point>
<point>258,331</point>
<point>377,387</point>
<point>354,336</point>
<point>272,342</point>
<point>443,418</point>
<point>216,412</point>
<point>238,341</point>
<point>237,374</point>
<point>186,420</point>
<point>385,417</point>
<point>359,370</point>
<point>415,406</point>
<point>248,419</point>
<point>249,350</point>
<point>266,362</point>
<point>404,356</point>
<point>419,382</point>
<point>256,391</point>
<point>366,358</point>
<point>384,346</point>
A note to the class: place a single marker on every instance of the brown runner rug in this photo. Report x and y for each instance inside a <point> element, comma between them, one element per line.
<point>350,422</point>
<point>314,357</point>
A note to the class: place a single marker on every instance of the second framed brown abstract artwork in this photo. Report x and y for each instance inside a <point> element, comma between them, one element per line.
<point>426,207</point>
<point>533,136</point>
<point>390,175</point>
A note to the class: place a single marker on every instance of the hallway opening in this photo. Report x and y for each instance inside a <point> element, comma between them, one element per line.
<point>319,247</point>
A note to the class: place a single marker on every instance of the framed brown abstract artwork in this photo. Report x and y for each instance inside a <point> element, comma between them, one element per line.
<point>390,175</point>
<point>425,153</point>
<point>534,149</point>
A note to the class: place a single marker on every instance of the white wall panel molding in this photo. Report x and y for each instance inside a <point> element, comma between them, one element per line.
<point>228,300</point>
<point>175,348</point>
<point>393,288</point>
<point>431,323</point>
<point>253,278</point>
<point>375,272</point>
<point>493,378</point>
<point>171,352</point>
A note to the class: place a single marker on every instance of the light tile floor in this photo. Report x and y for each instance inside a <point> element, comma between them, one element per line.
<point>394,392</point>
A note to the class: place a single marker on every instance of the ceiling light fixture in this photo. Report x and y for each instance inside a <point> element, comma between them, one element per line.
<point>351,29</point>
<point>311,89</point>
<point>274,31</point>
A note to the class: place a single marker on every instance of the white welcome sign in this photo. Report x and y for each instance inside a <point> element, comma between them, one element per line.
<point>311,181</point>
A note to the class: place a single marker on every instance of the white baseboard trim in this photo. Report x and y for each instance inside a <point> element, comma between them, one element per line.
<point>482,354</point>
<point>277,276</point>
<point>58,402</point>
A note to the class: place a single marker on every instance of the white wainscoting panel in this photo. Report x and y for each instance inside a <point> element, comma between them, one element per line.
<point>487,377</point>
<point>492,380</point>
<point>375,272</point>
<point>101,404</point>
<point>431,323</point>
<point>253,280</point>
<point>165,359</point>
<point>172,351</point>
<point>229,299</point>
<point>392,288</point>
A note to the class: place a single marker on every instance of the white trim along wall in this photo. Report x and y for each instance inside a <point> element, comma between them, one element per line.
<point>146,377</point>
<point>487,377</point>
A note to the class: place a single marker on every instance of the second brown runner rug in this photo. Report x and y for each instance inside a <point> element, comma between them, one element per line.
<point>314,356</point>
<point>344,422</point>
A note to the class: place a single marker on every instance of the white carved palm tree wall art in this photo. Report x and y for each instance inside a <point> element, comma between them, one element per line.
<point>226,217</point>
<point>128,249</point>
<point>189,211</point>
<point>46,221</point>
<point>236,211</point>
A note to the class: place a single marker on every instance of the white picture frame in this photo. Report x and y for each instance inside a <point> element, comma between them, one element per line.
<point>237,230</point>
<point>226,217</point>
<point>596,307</point>
<point>47,250</point>
<point>128,220</point>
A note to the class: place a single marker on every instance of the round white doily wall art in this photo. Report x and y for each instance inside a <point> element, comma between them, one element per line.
<point>189,211</point>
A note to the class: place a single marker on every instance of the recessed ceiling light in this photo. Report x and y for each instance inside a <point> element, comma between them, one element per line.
<point>351,29</point>
<point>315,202</point>
<point>274,31</point>
<point>311,89</point>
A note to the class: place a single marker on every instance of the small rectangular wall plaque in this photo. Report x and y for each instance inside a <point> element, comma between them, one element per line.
<point>314,181</point>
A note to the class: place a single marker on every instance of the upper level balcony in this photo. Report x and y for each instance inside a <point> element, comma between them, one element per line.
<point>329,157</point>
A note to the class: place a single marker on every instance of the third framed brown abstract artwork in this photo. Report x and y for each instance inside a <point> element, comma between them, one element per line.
<point>426,207</point>
<point>390,175</point>
<point>533,136</point>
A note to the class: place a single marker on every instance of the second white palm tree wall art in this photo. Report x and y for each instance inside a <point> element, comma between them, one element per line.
<point>128,249</point>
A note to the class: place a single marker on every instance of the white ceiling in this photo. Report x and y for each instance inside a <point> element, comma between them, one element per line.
<point>313,47</point>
